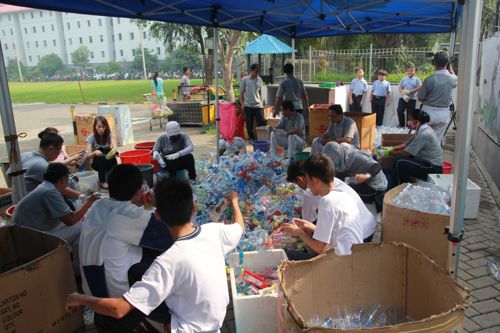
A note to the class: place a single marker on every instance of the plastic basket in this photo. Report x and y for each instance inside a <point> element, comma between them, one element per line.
<point>138,156</point>
<point>261,145</point>
<point>447,168</point>
<point>145,145</point>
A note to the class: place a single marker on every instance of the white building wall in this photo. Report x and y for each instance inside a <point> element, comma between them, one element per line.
<point>39,32</point>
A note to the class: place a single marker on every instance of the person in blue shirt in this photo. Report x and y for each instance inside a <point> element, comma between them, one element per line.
<point>157,88</point>
<point>380,96</point>
<point>408,88</point>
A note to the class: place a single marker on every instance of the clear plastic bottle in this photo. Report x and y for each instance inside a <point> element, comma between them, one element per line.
<point>494,269</point>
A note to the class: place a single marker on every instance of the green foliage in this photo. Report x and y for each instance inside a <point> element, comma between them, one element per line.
<point>50,64</point>
<point>151,61</point>
<point>13,71</point>
<point>80,57</point>
<point>109,68</point>
<point>181,57</point>
<point>346,78</point>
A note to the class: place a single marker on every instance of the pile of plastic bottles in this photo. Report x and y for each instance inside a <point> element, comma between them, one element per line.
<point>425,197</point>
<point>370,317</point>
<point>256,283</point>
<point>388,130</point>
<point>266,198</point>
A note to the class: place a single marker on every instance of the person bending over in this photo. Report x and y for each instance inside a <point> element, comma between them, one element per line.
<point>190,277</point>
<point>290,131</point>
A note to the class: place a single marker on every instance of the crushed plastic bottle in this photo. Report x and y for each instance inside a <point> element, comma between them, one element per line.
<point>493,269</point>
<point>437,199</point>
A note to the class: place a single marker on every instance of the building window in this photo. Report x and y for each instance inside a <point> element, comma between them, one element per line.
<point>144,34</point>
<point>34,29</point>
<point>114,54</point>
<point>25,30</point>
<point>31,60</point>
<point>120,36</point>
<point>38,57</point>
<point>101,38</point>
<point>88,23</point>
<point>91,55</point>
<point>23,16</point>
<point>52,27</point>
<point>8,16</point>
<point>121,53</point>
<point>99,21</point>
<point>158,50</point>
<point>68,25</point>
<point>3,32</point>
<point>118,20</point>
<point>112,38</point>
<point>6,47</point>
<point>133,53</point>
<point>131,36</point>
<point>32,15</point>
<point>11,32</point>
<point>90,39</point>
<point>102,54</point>
<point>43,28</point>
<point>78,24</point>
<point>70,41</point>
<point>41,14</point>
<point>54,42</point>
<point>81,40</point>
<point>36,43</point>
<point>28,45</point>
<point>44,43</point>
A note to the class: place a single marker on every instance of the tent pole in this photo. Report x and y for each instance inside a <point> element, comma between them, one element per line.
<point>216,102</point>
<point>370,63</point>
<point>467,71</point>
<point>293,52</point>
<point>310,62</point>
<point>11,136</point>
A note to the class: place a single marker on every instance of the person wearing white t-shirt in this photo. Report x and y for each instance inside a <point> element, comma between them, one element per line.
<point>190,277</point>
<point>341,222</point>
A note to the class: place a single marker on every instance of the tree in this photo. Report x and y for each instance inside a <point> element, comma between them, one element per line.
<point>181,57</point>
<point>50,64</point>
<point>113,67</point>
<point>13,71</point>
<point>151,60</point>
<point>80,57</point>
<point>228,44</point>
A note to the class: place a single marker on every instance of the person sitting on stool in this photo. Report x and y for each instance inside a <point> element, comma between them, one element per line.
<point>290,131</point>
<point>422,154</point>
<point>173,151</point>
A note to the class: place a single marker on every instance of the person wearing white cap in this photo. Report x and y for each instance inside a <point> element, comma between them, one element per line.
<point>173,151</point>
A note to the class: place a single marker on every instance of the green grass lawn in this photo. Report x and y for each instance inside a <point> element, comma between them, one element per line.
<point>109,91</point>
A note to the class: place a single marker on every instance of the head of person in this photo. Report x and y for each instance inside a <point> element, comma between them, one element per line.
<point>173,130</point>
<point>174,201</point>
<point>296,175</point>
<point>47,131</point>
<point>359,72</point>
<point>270,71</point>
<point>336,113</point>
<point>288,69</point>
<point>125,183</point>
<point>320,171</point>
<point>50,145</point>
<point>254,70</point>
<point>440,60</point>
<point>186,71</point>
<point>57,174</point>
<point>417,118</point>
<point>155,77</point>
<point>102,131</point>
<point>381,75</point>
<point>245,73</point>
<point>411,70</point>
<point>287,109</point>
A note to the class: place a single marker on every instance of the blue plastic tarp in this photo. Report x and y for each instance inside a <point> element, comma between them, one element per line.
<point>266,44</point>
<point>280,18</point>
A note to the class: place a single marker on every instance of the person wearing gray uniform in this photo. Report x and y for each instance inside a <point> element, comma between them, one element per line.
<point>292,89</point>
<point>368,180</point>
<point>290,131</point>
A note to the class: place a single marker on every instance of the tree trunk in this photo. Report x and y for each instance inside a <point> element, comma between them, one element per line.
<point>208,68</point>
<point>228,53</point>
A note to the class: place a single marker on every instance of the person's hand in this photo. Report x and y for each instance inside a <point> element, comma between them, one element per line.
<point>291,229</point>
<point>173,156</point>
<point>324,139</point>
<point>72,301</point>
<point>306,226</point>
<point>306,108</point>
<point>232,196</point>
<point>92,198</point>
<point>294,131</point>
<point>350,101</point>
<point>362,177</point>
<point>405,92</point>
<point>388,102</point>
<point>98,153</point>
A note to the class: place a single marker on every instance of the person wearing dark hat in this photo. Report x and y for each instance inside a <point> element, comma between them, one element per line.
<point>251,99</point>
<point>173,151</point>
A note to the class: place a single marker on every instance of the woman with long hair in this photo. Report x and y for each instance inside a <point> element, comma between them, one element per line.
<point>101,147</point>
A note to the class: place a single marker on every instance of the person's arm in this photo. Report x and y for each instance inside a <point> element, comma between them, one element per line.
<point>305,99</point>
<point>389,95</point>
<point>417,88</point>
<point>294,230</point>
<point>277,106</point>
<point>232,197</point>
<point>77,215</point>
<point>93,153</point>
<point>371,96</point>
<point>344,140</point>
<point>112,307</point>
<point>68,192</point>
<point>363,96</point>
<point>350,96</point>
<point>422,92</point>
<point>349,134</point>
<point>401,88</point>
<point>189,147</point>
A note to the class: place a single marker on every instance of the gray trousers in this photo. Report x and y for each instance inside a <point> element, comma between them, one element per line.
<point>293,143</point>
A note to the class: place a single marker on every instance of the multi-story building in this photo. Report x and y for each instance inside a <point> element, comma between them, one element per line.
<point>31,33</point>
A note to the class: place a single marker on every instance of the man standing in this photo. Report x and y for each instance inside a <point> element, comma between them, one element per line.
<point>435,93</point>
<point>408,88</point>
<point>290,131</point>
<point>291,89</point>
<point>251,99</point>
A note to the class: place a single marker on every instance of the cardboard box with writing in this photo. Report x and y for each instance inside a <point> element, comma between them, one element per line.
<point>318,120</point>
<point>392,140</point>
<point>365,122</point>
<point>392,275</point>
<point>36,276</point>
<point>85,126</point>
<point>422,230</point>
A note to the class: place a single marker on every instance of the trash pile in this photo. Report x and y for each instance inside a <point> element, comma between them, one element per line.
<point>370,317</point>
<point>266,198</point>
<point>388,130</point>
<point>256,283</point>
<point>425,197</point>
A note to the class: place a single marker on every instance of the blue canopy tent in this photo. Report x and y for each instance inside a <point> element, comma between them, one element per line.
<point>298,19</point>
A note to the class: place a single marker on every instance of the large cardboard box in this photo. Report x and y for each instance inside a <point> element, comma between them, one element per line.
<point>366,128</point>
<point>85,126</point>
<point>393,275</point>
<point>318,120</point>
<point>422,230</point>
<point>264,308</point>
<point>392,140</point>
<point>36,276</point>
